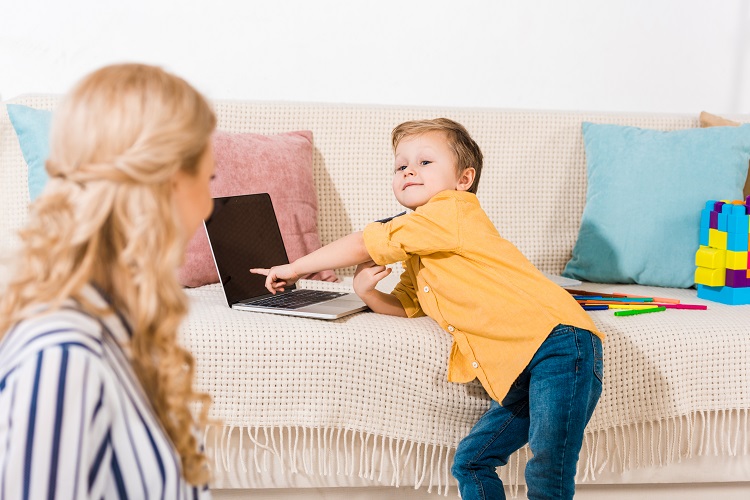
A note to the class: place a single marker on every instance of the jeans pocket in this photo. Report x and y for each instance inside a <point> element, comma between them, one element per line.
<point>598,357</point>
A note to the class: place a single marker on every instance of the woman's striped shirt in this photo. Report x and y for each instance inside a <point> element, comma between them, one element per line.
<point>75,422</point>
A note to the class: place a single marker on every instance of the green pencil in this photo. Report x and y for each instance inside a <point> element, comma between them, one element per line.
<point>631,312</point>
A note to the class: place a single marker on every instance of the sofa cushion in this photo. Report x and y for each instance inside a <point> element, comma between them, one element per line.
<point>32,128</point>
<point>710,120</point>
<point>280,165</point>
<point>645,191</point>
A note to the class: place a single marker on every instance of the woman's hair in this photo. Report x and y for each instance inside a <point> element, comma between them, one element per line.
<point>107,218</point>
<point>468,154</point>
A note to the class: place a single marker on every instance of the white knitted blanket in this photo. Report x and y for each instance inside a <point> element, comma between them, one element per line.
<point>368,393</point>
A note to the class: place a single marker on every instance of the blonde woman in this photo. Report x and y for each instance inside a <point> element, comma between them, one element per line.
<point>95,392</point>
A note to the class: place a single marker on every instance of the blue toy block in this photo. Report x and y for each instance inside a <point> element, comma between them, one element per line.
<point>725,294</point>
<point>737,242</point>
<point>703,236</point>
<point>705,218</point>
<point>738,223</point>
<point>722,221</point>
<point>738,209</point>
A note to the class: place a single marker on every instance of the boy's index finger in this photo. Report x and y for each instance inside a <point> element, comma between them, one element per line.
<point>258,270</point>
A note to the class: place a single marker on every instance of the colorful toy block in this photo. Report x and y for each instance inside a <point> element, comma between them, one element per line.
<point>725,294</point>
<point>722,261</point>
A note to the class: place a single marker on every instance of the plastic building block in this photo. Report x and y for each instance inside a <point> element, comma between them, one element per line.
<point>736,278</point>
<point>717,239</point>
<point>722,225</point>
<point>725,294</point>
<point>713,219</point>
<point>734,260</point>
<point>722,261</point>
<point>712,258</point>
<point>737,223</point>
<point>736,242</point>
<point>710,277</point>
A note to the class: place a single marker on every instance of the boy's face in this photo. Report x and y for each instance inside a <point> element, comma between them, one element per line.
<point>424,166</point>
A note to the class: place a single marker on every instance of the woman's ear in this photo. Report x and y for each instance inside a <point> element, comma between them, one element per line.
<point>466,179</point>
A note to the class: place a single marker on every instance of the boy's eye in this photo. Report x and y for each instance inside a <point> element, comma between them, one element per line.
<point>425,162</point>
<point>400,168</point>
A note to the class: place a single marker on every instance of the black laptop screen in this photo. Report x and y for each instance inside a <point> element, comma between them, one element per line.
<point>243,233</point>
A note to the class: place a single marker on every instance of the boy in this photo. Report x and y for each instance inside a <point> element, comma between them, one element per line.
<point>533,348</point>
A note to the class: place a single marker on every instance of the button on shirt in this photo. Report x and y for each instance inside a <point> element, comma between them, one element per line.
<point>478,286</point>
<point>74,420</point>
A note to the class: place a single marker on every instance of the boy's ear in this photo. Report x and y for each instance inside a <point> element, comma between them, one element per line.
<point>466,179</point>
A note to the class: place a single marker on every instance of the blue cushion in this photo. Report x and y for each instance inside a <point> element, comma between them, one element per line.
<point>32,128</point>
<point>645,192</point>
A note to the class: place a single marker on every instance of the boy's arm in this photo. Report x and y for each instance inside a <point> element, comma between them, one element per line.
<point>347,251</point>
<point>383,303</point>
<point>366,277</point>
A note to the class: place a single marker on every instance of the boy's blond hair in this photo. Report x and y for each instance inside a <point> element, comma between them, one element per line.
<point>468,154</point>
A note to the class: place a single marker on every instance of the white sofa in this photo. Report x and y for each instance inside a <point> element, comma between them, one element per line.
<point>310,408</point>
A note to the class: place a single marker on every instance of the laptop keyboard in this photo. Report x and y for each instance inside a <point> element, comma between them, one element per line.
<point>295,300</point>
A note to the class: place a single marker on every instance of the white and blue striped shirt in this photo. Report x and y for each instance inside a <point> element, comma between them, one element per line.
<point>75,422</point>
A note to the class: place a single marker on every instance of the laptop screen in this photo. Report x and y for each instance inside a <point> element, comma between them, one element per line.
<point>243,233</point>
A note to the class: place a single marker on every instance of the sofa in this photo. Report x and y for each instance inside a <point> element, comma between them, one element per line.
<point>307,408</point>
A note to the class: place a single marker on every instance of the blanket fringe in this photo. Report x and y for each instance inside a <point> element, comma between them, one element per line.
<point>336,451</point>
<point>664,442</point>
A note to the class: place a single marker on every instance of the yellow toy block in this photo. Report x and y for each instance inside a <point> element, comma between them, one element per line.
<point>710,277</point>
<point>717,239</point>
<point>735,260</point>
<point>712,258</point>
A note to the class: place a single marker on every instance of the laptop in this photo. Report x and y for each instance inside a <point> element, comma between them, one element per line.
<point>243,233</point>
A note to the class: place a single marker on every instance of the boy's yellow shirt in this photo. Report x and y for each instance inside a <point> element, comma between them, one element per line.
<point>478,286</point>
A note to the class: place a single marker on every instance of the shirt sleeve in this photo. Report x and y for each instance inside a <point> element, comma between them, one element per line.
<point>53,425</point>
<point>432,228</point>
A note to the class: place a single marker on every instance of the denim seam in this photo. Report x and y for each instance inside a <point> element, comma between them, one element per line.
<point>570,407</point>
<point>496,435</point>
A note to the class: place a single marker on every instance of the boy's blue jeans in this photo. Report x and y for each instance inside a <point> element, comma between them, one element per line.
<point>548,406</point>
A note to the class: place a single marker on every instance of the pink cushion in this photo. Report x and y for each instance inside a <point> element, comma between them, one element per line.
<point>280,165</point>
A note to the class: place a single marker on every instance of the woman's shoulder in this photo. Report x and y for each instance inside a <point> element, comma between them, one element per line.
<point>67,328</point>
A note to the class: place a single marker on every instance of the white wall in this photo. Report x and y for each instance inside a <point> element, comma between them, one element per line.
<point>618,55</point>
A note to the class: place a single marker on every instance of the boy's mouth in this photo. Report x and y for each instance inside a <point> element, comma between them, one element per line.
<point>409,184</point>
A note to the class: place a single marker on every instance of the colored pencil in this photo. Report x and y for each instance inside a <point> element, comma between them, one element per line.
<point>633,312</point>
<point>632,306</point>
<point>623,295</point>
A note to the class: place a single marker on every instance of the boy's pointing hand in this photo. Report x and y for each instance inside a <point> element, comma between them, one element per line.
<point>278,277</point>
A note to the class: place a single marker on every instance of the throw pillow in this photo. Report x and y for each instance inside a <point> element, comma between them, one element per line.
<point>709,120</point>
<point>280,165</point>
<point>32,128</point>
<point>645,192</point>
